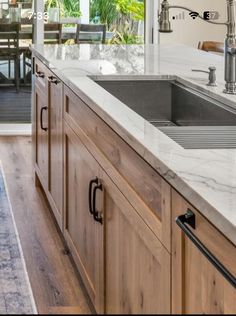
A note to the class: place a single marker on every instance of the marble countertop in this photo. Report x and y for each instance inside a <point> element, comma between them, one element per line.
<point>206,178</point>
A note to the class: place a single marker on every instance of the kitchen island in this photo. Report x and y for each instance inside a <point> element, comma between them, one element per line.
<point>132,170</point>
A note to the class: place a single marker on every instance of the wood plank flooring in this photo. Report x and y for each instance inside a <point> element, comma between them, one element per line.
<point>56,286</point>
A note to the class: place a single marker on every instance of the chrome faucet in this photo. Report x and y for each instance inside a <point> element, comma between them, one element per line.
<point>230,41</point>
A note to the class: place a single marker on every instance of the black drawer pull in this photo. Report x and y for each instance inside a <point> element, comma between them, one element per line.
<point>190,219</point>
<point>53,79</point>
<point>44,108</point>
<point>97,217</point>
<point>94,181</point>
<point>39,74</point>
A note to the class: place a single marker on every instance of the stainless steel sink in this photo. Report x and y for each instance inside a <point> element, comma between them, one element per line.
<point>188,117</point>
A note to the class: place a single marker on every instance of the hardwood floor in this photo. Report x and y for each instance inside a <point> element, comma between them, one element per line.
<point>56,287</point>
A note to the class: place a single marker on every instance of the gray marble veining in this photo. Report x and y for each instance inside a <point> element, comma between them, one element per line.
<point>207,178</point>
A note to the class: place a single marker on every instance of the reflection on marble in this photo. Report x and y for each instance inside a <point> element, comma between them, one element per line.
<point>206,178</point>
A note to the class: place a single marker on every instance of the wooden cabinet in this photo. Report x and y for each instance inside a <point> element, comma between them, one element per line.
<point>118,215</point>
<point>197,286</point>
<point>55,94</point>
<point>84,235</point>
<point>48,136</point>
<point>137,264</point>
<point>42,134</point>
<point>143,187</point>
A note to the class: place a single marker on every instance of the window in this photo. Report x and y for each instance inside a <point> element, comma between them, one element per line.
<point>124,18</point>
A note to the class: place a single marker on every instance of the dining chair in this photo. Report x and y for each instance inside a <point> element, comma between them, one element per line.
<point>91,28</point>
<point>211,46</point>
<point>52,33</point>
<point>9,48</point>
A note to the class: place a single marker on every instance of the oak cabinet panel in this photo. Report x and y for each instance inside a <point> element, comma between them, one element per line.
<point>145,189</point>
<point>55,88</point>
<point>83,234</point>
<point>137,264</point>
<point>48,135</point>
<point>197,286</point>
<point>41,74</point>
<point>42,133</point>
<point>120,257</point>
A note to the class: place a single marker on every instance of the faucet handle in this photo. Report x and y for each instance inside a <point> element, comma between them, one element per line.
<point>212,75</point>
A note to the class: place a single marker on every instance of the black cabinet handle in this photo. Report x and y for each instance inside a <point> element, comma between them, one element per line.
<point>44,108</point>
<point>97,217</point>
<point>190,219</point>
<point>91,183</point>
<point>53,79</point>
<point>39,74</point>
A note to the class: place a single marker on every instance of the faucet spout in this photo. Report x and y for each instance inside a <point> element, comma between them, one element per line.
<point>230,50</point>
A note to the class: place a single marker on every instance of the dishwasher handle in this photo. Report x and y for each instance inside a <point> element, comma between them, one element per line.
<point>189,218</point>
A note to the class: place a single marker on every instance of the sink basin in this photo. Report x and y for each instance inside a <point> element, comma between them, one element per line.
<point>188,117</point>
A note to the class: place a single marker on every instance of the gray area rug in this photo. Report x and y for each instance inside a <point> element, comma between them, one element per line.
<point>15,107</point>
<point>15,291</point>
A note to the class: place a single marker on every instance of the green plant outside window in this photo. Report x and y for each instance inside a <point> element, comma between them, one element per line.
<point>122,17</point>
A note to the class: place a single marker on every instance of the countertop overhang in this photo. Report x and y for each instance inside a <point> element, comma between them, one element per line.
<point>206,178</point>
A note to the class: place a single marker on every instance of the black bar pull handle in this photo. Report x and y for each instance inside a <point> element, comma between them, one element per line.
<point>97,217</point>
<point>44,108</point>
<point>190,219</point>
<point>91,183</point>
<point>53,79</point>
<point>39,74</point>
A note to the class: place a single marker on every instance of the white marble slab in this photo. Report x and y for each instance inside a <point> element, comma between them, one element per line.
<point>206,178</point>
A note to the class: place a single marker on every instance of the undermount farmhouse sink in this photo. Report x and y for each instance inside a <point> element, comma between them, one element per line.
<point>191,119</point>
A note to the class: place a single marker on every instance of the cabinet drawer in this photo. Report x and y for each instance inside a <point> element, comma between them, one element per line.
<point>139,182</point>
<point>200,285</point>
<point>41,73</point>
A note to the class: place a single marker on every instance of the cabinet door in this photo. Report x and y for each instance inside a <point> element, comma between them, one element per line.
<point>137,264</point>
<point>42,134</point>
<point>56,145</point>
<point>83,234</point>
<point>197,286</point>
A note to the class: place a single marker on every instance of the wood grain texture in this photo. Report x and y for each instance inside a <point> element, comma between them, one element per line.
<point>197,287</point>
<point>84,235</point>
<point>41,81</point>
<point>56,148</point>
<point>55,285</point>
<point>211,46</point>
<point>137,264</point>
<point>139,182</point>
<point>42,136</point>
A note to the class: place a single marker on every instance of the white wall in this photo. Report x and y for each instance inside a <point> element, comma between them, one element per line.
<point>190,31</point>
<point>151,21</point>
<point>84,8</point>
